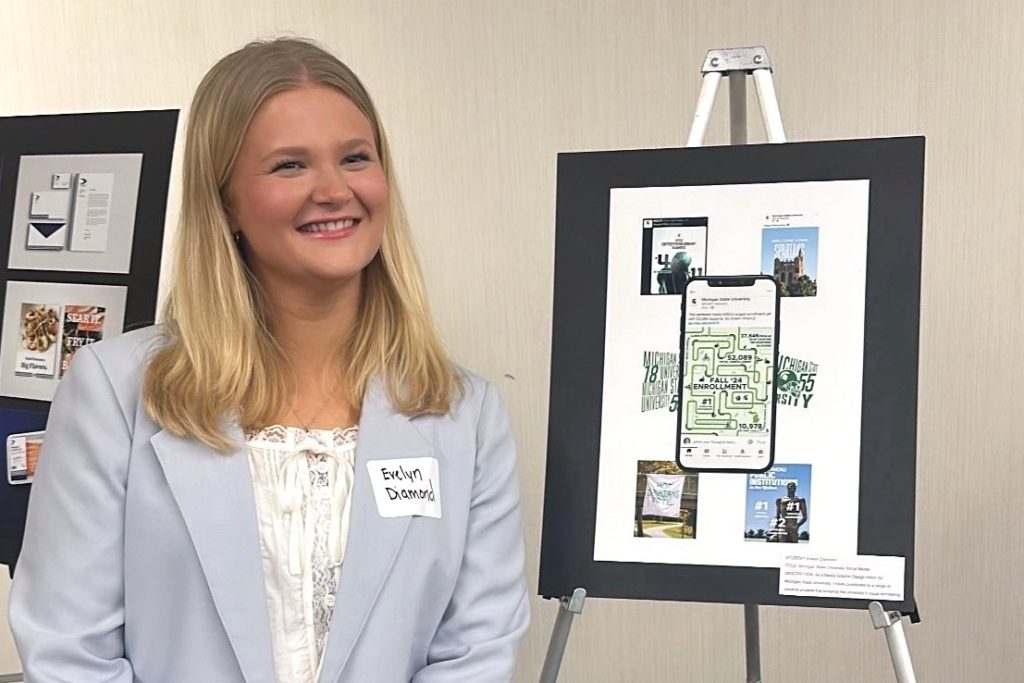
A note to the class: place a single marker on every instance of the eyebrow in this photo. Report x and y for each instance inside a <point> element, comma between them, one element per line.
<point>298,151</point>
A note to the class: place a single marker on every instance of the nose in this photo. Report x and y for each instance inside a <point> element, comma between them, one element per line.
<point>331,187</point>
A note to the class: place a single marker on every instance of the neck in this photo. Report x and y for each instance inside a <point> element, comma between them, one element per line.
<point>311,327</point>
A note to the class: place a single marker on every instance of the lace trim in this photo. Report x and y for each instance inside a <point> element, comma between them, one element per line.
<point>324,570</point>
<point>281,434</point>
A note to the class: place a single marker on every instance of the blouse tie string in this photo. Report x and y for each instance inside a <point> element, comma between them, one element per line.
<point>297,488</point>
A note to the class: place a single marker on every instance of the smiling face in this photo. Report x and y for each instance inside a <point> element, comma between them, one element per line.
<point>308,192</point>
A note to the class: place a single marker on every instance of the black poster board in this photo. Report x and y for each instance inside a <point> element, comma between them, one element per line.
<point>146,140</point>
<point>895,169</point>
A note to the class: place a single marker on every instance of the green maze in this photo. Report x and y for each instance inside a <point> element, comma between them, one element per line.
<point>726,377</point>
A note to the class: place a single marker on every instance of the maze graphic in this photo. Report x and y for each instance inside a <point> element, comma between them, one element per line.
<point>727,380</point>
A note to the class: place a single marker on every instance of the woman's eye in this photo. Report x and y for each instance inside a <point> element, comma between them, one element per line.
<point>285,166</point>
<point>357,158</point>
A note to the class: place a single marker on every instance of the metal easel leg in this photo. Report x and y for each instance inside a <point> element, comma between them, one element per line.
<point>769,105</point>
<point>568,608</point>
<point>752,630</point>
<point>705,103</point>
<point>892,623</point>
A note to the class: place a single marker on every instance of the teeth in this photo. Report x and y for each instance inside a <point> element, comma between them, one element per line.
<point>329,226</point>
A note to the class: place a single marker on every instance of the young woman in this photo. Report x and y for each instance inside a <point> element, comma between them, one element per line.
<point>287,480</point>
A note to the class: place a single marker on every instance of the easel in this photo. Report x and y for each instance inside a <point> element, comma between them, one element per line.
<point>737,64</point>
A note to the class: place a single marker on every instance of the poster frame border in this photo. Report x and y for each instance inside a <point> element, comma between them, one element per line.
<point>894,168</point>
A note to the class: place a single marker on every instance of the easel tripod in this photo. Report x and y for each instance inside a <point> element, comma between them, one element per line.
<point>736,64</point>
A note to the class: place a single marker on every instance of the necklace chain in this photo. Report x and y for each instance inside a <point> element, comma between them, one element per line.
<point>306,425</point>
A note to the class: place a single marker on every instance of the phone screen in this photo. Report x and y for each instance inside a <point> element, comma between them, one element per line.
<point>726,388</point>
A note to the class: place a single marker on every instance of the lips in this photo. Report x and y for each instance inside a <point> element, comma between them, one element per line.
<point>330,227</point>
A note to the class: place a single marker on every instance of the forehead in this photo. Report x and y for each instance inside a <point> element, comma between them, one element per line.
<point>309,110</point>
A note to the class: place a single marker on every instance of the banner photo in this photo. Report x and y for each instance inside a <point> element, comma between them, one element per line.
<point>664,493</point>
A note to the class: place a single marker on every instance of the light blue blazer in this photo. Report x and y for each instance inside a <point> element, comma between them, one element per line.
<point>142,556</point>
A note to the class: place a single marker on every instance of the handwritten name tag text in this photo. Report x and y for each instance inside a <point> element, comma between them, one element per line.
<point>406,486</point>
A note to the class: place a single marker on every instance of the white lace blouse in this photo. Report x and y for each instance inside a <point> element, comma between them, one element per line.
<point>301,480</point>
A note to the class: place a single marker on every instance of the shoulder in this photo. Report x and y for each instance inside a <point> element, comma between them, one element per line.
<point>480,413</point>
<point>116,366</point>
<point>473,400</point>
<point>473,396</point>
<point>104,381</point>
<point>124,358</point>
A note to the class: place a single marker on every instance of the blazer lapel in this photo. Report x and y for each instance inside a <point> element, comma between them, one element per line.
<point>214,493</point>
<point>373,541</point>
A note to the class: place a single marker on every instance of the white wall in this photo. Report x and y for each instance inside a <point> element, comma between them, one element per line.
<point>479,96</point>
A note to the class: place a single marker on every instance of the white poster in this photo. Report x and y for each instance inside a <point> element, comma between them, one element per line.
<point>664,494</point>
<point>75,212</point>
<point>812,238</point>
<point>45,324</point>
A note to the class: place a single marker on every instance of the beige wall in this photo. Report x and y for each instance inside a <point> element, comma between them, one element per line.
<point>479,95</point>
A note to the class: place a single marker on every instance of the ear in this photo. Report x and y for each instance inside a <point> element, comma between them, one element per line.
<point>236,230</point>
<point>229,211</point>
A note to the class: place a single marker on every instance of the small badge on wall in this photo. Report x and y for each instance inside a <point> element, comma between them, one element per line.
<point>406,486</point>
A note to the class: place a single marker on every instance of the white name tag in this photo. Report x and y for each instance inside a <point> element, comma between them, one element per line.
<point>406,486</point>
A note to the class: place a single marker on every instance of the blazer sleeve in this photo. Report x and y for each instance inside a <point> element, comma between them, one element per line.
<point>489,610</point>
<point>67,601</point>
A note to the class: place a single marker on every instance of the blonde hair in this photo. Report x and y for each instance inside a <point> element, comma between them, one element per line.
<point>221,361</point>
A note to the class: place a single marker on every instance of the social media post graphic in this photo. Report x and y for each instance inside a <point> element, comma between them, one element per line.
<point>790,255</point>
<point>778,505</point>
<point>674,250</point>
<point>728,366</point>
<point>666,501</point>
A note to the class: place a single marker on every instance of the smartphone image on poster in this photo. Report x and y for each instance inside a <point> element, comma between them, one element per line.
<point>728,352</point>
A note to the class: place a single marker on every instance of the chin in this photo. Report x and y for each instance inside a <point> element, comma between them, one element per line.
<point>337,276</point>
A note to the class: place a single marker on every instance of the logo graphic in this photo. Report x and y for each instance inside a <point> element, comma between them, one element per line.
<point>661,381</point>
<point>795,381</point>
